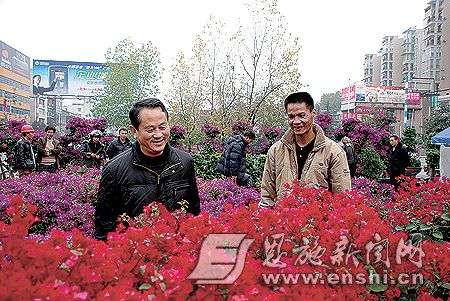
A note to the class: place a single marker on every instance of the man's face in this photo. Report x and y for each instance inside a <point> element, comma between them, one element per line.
<point>95,139</point>
<point>248,140</point>
<point>393,141</point>
<point>153,132</point>
<point>50,134</point>
<point>123,135</point>
<point>300,118</point>
<point>29,136</point>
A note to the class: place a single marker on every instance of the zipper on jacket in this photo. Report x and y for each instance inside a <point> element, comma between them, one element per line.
<point>158,176</point>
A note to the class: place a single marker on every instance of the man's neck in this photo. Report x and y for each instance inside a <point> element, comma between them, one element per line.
<point>303,140</point>
<point>123,141</point>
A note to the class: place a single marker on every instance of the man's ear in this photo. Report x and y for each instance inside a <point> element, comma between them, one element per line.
<point>133,131</point>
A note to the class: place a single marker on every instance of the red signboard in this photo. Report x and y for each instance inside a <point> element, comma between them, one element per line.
<point>414,98</point>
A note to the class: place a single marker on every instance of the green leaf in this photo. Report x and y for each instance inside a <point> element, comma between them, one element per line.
<point>142,269</point>
<point>399,228</point>
<point>144,286</point>
<point>377,288</point>
<point>410,227</point>
<point>446,216</point>
<point>446,285</point>
<point>304,229</point>
<point>424,228</point>
<point>438,235</point>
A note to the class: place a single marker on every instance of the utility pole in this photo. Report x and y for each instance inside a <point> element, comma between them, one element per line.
<point>405,110</point>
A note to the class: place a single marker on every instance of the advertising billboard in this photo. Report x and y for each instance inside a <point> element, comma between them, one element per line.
<point>386,94</point>
<point>14,60</point>
<point>353,93</point>
<point>68,78</point>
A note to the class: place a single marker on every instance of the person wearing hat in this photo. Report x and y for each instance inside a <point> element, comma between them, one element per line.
<point>25,155</point>
<point>94,151</point>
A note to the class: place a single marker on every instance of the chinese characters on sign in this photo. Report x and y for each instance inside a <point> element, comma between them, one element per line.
<point>376,251</point>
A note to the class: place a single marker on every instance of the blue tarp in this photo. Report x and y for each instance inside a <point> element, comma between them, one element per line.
<point>442,137</point>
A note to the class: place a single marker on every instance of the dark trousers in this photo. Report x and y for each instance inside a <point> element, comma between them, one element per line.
<point>245,181</point>
<point>352,168</point>
<point>48,168</point>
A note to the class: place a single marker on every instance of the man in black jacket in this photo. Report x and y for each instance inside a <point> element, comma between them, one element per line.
<point>232,160</point>
<point>398,159</point>
<point>25,155</point>
<point>119,144</point>
<point>151,170</point>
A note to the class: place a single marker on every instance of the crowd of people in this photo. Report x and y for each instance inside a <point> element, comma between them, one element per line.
<point>150,169</point>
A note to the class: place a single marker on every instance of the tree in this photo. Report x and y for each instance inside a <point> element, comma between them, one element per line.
<point>330,103</point>
<point>134,73</point>
<point>438,121</point>
<point>239,76</point>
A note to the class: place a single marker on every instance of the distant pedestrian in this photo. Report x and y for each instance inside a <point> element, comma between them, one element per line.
<point>25,154</point>
<point>232,160</point>
<point>48,150</point>
<point>119,145</point>
<point>94,151</point>
<point>398,159</point>
<point>351,155</point>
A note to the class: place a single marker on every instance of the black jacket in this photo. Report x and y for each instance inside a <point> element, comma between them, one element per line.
<point>96,148</point>
<point>232,160</point>
<point>127,185</point>
<point>350,152</point>
<point>398,160</point>
<point>25,155</point>
<point>116,147</point>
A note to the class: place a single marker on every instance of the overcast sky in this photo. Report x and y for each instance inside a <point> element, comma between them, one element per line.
<point>334,34</point>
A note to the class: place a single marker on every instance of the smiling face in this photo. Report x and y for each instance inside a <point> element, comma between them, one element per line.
<point>50,134</point>
<point>153,132</point>
<point>300,118</point>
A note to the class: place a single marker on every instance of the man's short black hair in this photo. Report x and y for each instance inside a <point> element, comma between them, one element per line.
<point>50,127</point>
<point>300,97</point>
<point>147,103</point>
<point>37,75</point>
<point>395,136</point>
<point>123,129</point>
<point>250,134</point>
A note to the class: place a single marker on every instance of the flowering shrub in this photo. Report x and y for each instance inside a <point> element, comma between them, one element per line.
<point>78,130</point>
<point>240,127</point>
<point>422,207</point>
<point>272,134</point>
<point>176,135</point>
<point>10,134</point>
<point>223,196</point>
<point>324,120</point>
<point>152,258</point>
<point>210,130</point>
<point>64,199</point>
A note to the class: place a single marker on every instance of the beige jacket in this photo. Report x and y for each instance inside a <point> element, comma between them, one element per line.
<point>326,166</point>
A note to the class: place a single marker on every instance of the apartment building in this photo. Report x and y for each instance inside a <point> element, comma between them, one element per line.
<point>15,84</point>
<point>445,50</point>
<point>391,53</point>
<point>372,69</point>
<point>432,41</point>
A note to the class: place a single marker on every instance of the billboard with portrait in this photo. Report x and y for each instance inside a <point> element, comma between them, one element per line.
<point>69,78</point>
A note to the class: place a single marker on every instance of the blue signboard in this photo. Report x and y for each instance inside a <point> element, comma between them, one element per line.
<point>68,78</point>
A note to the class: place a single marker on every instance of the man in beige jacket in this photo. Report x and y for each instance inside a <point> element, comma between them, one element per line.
<point>303,153</point>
